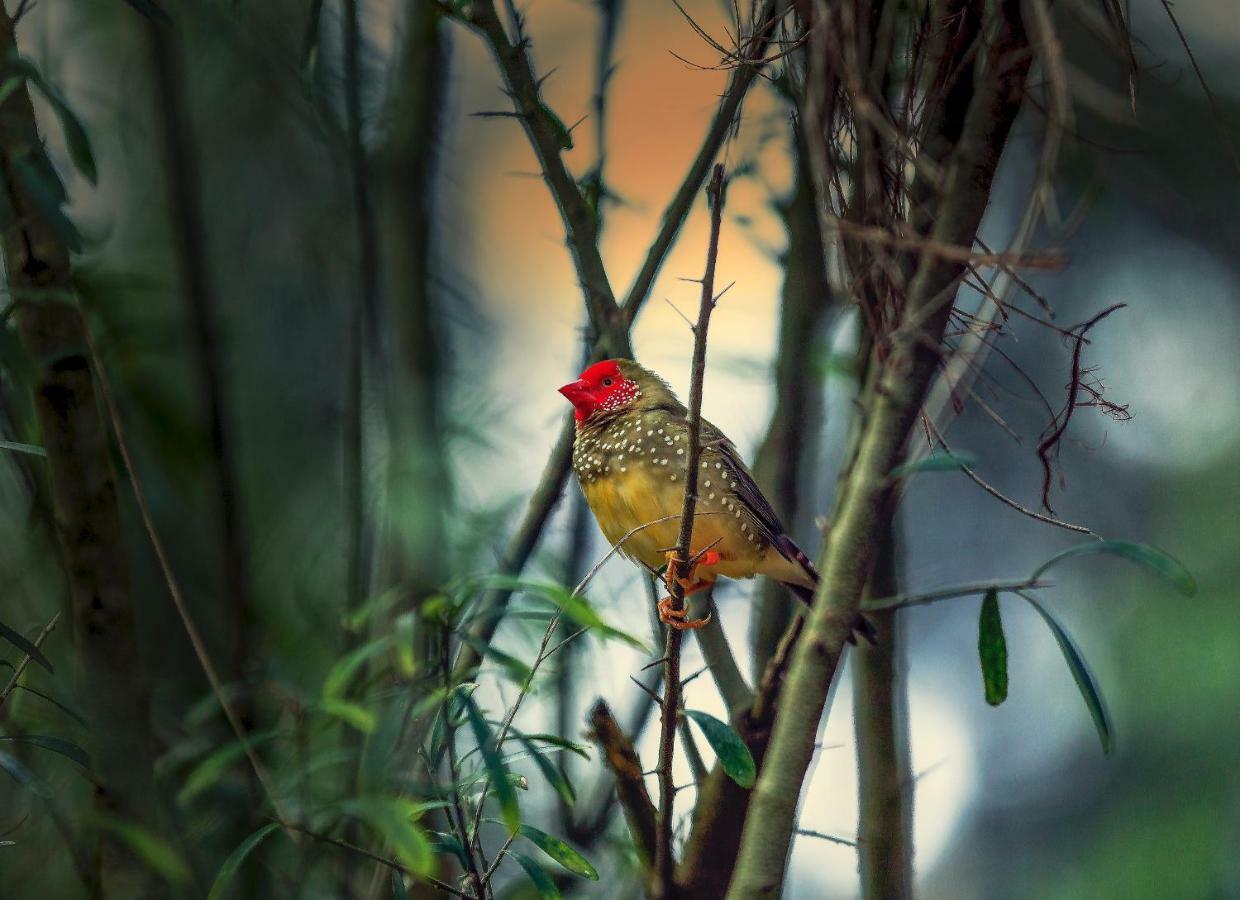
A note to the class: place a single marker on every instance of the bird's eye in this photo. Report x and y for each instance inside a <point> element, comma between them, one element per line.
<point>606,382</point>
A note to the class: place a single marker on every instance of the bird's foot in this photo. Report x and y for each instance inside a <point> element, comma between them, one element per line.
<point>679,618</point>
<point>676,566</point>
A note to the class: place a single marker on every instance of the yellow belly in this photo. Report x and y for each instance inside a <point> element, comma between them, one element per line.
<point>643,511</point>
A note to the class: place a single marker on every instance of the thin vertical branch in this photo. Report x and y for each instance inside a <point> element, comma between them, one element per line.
<point>362,312</point>
<point>185,214</point>
<point>885,781</point>
<point>664,861</point>
<point>783,463</point>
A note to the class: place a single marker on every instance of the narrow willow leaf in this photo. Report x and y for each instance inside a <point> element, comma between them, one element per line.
<point>1085,681</point>
<point>733,755</point>
<point>575,607</point>
<point>150,847</point>
<point>392,819</point>
<point>12,83</point>
<point>212,768</point>
<point>45,189</point>
<point>76,138</point>
<point>517,671</point>
<point>558,850</point>
<point>935,462</point>
<point>151,10</point>
<point>992,650</point>
<point>1163,564</point>
<point>538,876</point>
<point>65,748</point>
<point>553,739</point>
<point>496,770</point>
<point>236,858</point>
<point>448,843</point>
<point>16,447</point>
<point>551,772</point>
<point>358,716</point>
<point>23,776</point>
<point>63,707</point>
<point>341,674</point>
<point>19,641</point>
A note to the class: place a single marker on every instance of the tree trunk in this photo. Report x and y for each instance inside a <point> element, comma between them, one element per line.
<point>84,498</point>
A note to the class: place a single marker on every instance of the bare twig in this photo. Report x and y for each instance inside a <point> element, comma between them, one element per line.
<point>664,862</point>
<point>729,108</point>
<point>1059,425</point>
<point>170,579</point>
<point>387,861</point>
<point>1004,498</point>
<point>1224,133</point>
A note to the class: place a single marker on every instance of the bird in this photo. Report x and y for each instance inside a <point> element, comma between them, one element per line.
<point>630,455</point>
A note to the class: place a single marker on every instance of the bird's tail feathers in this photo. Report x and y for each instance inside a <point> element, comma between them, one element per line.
<point>805,593</point>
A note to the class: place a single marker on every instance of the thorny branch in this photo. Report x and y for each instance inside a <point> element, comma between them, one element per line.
<point>664,861</point>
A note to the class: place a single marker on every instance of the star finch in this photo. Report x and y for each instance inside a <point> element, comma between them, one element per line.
<point>630,455</point>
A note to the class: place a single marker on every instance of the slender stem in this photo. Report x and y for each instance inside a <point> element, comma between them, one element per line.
<point>885,781</point>
<point>363,313</point>
<point>170,579</point>
<point>21,666</point>
<point>747,65</point>
<point>390,863</point>
<point>664,861</point>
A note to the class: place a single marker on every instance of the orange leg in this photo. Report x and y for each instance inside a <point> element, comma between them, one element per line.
<point>678,618</point>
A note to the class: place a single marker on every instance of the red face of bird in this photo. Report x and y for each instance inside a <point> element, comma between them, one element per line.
<point>604,387</point>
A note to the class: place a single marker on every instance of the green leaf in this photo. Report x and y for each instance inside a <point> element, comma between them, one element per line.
<point>32,449</point>
<point>12,83</point>
<point>563,136</point>
<point>733,755</point>
<point>542,882</point>
<point>517,671</point>
<point>76,138</point>
<point>23,776</point>
<point>935,462</point>
<point>1084,679</point>
<point>550,771</point>
<point>63,707</point>
<point>992,650</point>
<point>358,716</point>
<point>449,843</point>
<point>237,857</point>
<point>151,10</point>
<point>341,674</point>
<point>575,607</point>
<point>1162,564</point>
<point>208,772</point>
<point>391,818</point>
<point>515,734</point>
<point>558,850</point>
<point>65,748</point>
<point>27,647</point>
<point>496,770</point>
<point>148,846</point>
<point>43,186</point>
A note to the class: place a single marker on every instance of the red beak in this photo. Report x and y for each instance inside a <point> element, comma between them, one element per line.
<point>576,391</point>
<point>581,396</point>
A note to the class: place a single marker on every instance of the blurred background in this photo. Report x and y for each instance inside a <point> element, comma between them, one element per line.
<point>482,314</point>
